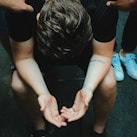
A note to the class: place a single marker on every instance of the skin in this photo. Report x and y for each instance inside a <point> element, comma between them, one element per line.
<point>16,5</point>
<point>99,72</point>
<point>23,56</point>
<point>98,67</point>
<point>124,5</point>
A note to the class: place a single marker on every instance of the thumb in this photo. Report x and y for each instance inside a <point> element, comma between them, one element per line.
<point>41,103</point>
<point>88,99</point>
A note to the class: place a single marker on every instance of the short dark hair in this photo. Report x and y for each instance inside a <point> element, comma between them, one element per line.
<point>63,28</point>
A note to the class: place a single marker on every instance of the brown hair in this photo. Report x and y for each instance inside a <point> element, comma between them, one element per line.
<point>63,28</point>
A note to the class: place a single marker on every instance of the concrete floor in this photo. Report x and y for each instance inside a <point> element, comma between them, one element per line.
<point>121,123</point>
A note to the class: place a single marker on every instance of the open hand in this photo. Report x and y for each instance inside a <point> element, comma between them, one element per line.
<point>49,108</point>
<point>79,107</point>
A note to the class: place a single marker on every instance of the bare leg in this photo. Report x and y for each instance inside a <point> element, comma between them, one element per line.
<point>27,99</point>
<point>104,99</point>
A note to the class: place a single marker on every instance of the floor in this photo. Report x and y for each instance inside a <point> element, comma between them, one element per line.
<point>121,123</point>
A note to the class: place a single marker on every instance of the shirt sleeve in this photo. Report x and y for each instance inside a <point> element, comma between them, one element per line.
<point>21,26</point>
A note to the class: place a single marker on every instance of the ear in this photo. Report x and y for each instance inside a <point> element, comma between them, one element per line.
<point>37,17</point>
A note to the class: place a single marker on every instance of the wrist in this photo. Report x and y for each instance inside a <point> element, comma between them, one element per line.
<point>47,93</point>
<point>87,90</point>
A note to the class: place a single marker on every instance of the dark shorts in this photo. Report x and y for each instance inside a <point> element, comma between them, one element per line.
<point>104,19</point>
<point>3,24</point>
<point>45,63</point>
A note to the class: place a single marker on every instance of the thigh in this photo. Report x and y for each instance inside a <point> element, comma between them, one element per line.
<point>18,85</point>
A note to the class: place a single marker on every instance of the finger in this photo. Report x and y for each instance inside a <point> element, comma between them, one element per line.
<point>75,117</point>
<point>70,113</point>
<point>67,116</point>
<point>87,100</point>
<point>28,8</point>
<point>54,118</point>
<point>67,111</point>
<point>62,120</point>
<point>63,110</point>
<point>42,105</point>
<point>57,121</point>
<point>111,3</point>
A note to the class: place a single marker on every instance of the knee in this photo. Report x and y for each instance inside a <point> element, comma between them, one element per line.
<point>17,84</point>
<point>108,87</point>
<point>109,84</point>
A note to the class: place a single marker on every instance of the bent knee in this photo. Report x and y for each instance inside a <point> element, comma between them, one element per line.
<point>108,85</point>
<point>17,84</point>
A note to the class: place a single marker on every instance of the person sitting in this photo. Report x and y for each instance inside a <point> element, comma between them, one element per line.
<point>60,33</point>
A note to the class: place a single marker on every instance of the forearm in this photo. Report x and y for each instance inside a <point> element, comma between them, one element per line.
<point>30,73</point>
<point>97,69</point>
<point>99,63</point>
<point>27,67</point>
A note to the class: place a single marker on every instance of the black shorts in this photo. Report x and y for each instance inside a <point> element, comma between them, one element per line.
<point>3,23</point>
<point>104,19</point>
<point>45,63</point>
